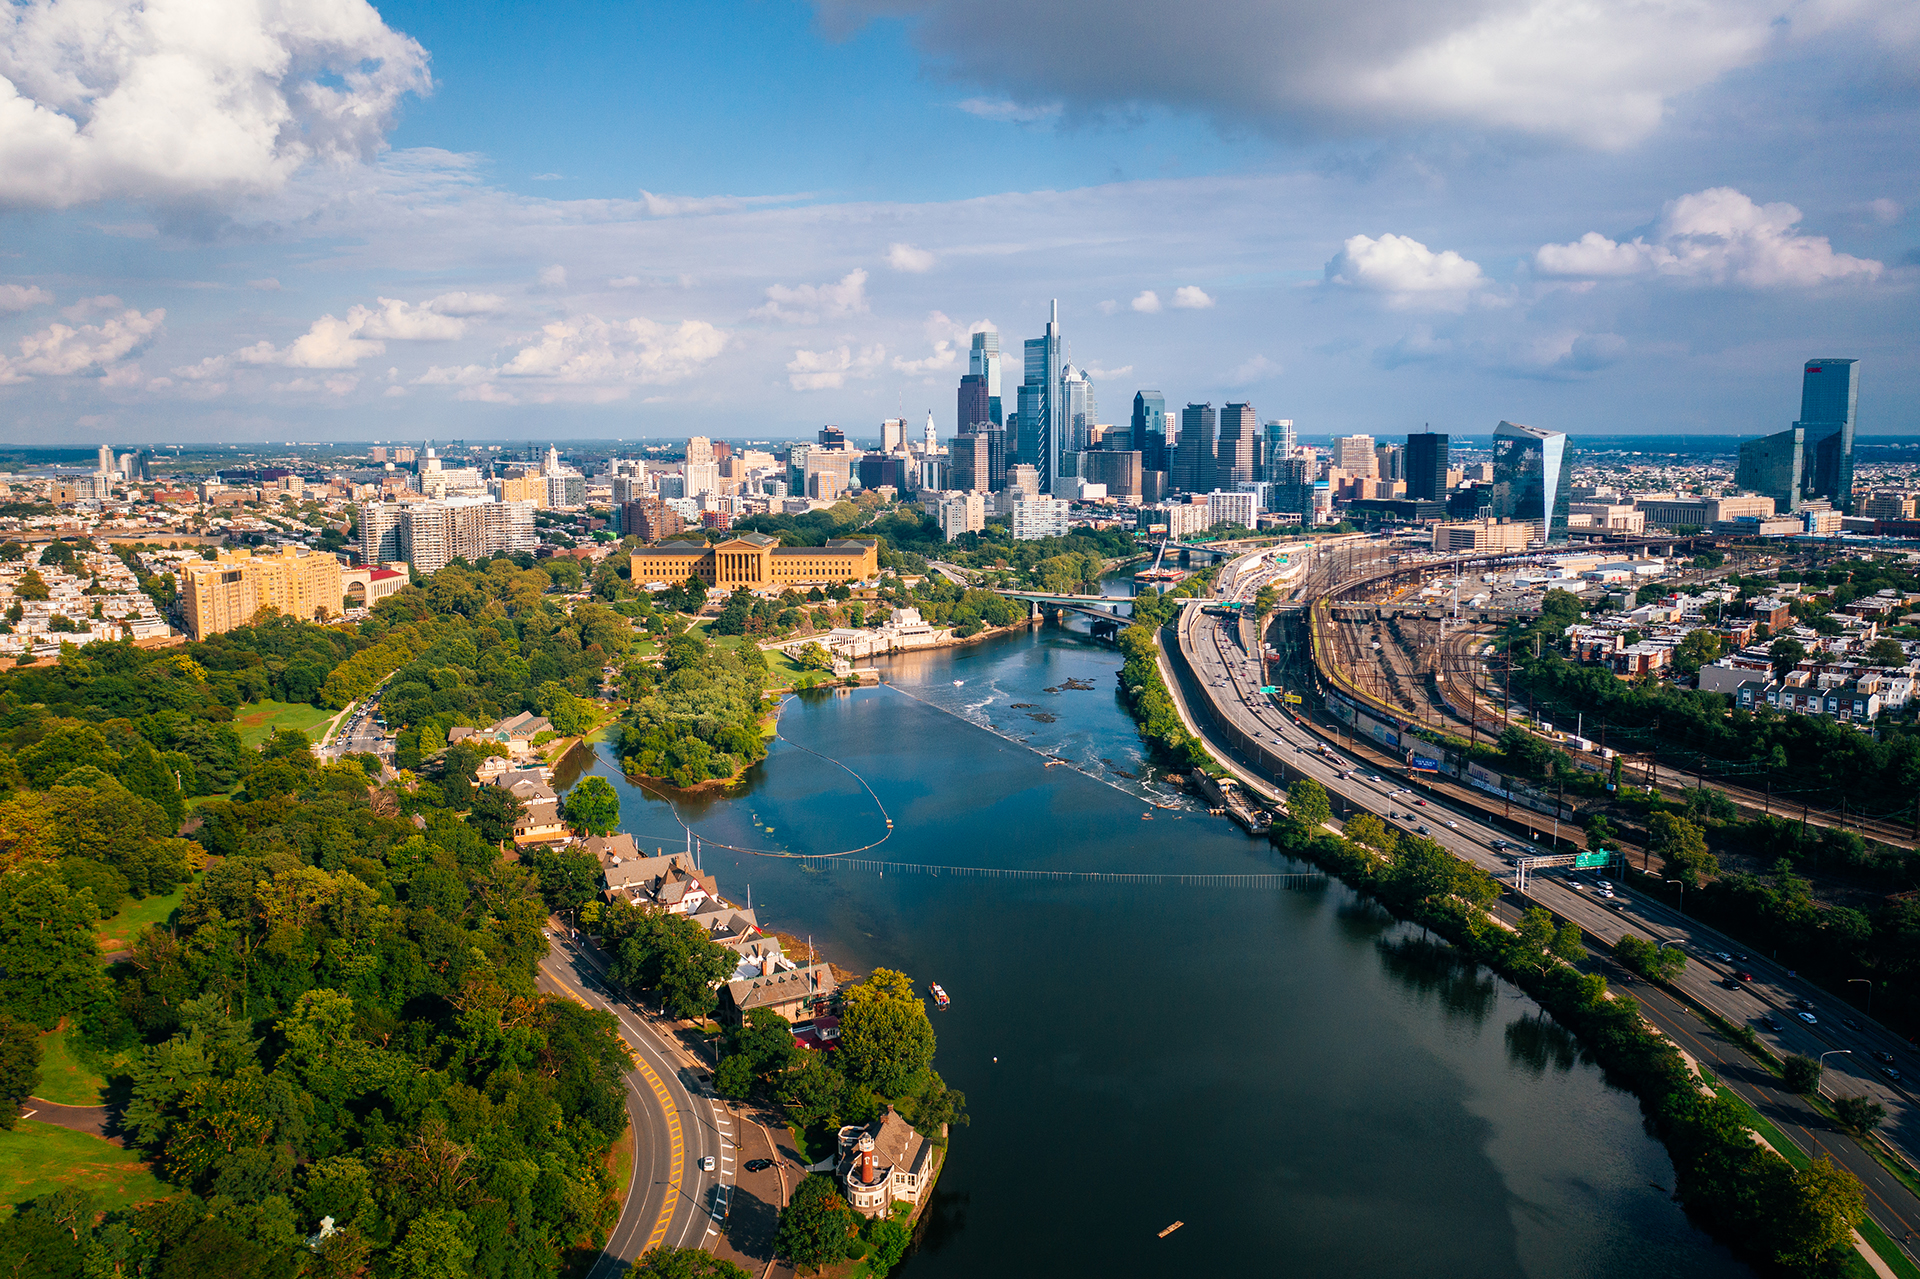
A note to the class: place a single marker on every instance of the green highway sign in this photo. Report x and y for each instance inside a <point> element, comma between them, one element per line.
<point>1593,860</point>
<point>1268,688</point>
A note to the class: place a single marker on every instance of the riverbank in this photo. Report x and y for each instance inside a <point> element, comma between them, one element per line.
<point>1795,1221</point>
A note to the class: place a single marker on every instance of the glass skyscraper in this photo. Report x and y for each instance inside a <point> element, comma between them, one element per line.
<point>1829,393</point>
<point>1042,427</point>
<point>1426,461</point>
<point>983,361</point>
<point>1150,429</point>
<point>1772,467</point>
<point>1532,478</point>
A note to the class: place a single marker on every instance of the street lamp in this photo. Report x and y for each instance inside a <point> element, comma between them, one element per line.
<point>1845,1052</point>
<point>1869,985</point>
<point>1683,895</point>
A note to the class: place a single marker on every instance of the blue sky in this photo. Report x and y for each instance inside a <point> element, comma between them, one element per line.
<point>750,218</point>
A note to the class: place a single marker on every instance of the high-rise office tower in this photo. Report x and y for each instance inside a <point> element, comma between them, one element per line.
<point>970,462</point>
<point>1149,429</point>
<point>1290,487</point>
<point>1829,394</point>
<point>995,477</point>
<point>832,437</point>
<point>1042,416</point>
<point>1354,455</point>
<point>974,407</point>
<point>1774,466</point>
<point>893,434</point>
<point>983,361</point>
<point>105,465</point>
<point>1193,457</point>
<point>1532,478</point>
<point>1389,462</point>
<point>1234,451</point>
<point>1426,467</point>
<point>1076,401</point>
<point>1280,442</point>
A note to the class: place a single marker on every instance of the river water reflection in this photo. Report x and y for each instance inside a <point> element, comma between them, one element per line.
<point>1314,1089</point>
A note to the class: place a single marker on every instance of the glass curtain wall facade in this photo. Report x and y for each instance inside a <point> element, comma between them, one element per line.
<point>983,361</point>
<point>1426,461</point>
<point>1773,467</point>
<point>1532,478</point>
<point>1042,416</point>
<point>1149,428</point>
<point>1829,395</point>
<point>1193,456</point>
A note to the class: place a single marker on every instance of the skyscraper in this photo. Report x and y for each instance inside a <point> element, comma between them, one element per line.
<point>1290,487</point>
<point>1532,478</point>
<point>1043,434</point>
<point>831,437</point>
<point>1426,463</point>
<point>974,406</point>
<point>1774,466</point>
<point>1829,393</point>
<point>1193,458</point>
<point>105,465</point>
<point>893,434</point>
<point>983,361</point>
<point>1149,429</point>
<point>1354,454</point>
<point>1076,403</point>
<point>1234,451</point>
<point>1280,443</point>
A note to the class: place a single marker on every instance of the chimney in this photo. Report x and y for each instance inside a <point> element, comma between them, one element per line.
<point>766,965</point>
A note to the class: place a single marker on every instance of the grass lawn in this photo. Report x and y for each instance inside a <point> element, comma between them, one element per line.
<point>258,720</point>
<point>38,1159</point>
<point>65,1080</point>
<point>118,933</point>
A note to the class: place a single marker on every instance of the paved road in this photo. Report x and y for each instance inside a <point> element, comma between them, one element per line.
<point>677,1123</point>
<point>359,734</point>
<point>1229,680</point>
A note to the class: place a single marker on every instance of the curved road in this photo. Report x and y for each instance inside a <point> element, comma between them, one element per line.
<point>1229,680</point>
<point>677,1123</point>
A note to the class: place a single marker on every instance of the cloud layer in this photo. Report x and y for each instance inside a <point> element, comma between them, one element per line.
<point>173,100</point>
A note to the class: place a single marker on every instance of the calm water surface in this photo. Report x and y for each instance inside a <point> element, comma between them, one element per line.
<point>1313,1089</point>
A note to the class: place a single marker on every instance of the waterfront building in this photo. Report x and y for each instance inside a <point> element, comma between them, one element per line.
<point>1426,467</point>
<point>1532,478</point>
<point>1232,508</point>
<point>983,361</point>
<point>1193,458</point>
<point>1775,465</point>
<point>883,1163</point>
<point>1829,395</point>
<point>758,562</point>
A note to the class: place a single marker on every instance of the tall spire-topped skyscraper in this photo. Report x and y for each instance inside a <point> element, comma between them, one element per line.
<point>1042,425</point>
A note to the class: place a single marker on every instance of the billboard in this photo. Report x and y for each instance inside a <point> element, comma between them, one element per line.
<point>1420,762</point>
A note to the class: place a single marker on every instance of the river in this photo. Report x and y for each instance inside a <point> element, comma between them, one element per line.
<point>1312,1088</point>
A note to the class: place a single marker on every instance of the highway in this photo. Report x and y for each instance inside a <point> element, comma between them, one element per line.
<point>677,1123</point>
<point>1230,680</point>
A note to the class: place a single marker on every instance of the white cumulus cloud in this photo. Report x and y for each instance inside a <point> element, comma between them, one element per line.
<point>333,342</point>
<point>810,303</point>
<point>1407,272</point>
<point>588,350</point>
<point>828,370</point>
<point>62,350</point>
<point>1717,236</point>
<point>189,99</point>
<point>20,297</point>
<point>1003,111</point>
<point>1147,301</point>
<point>904,257</point>
<point>1189,298</point>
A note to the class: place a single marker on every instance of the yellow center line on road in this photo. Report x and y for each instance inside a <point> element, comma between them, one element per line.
<point>675,1139</point>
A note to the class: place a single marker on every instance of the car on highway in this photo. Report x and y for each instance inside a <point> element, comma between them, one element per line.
<point>1771,1024</point>
<point>1452,825</point>
<point>1743,975</point>
<point>1421,802</point>
<point>1851,1024</point>
<point>1723,956</point>
<point>757,1165</point>
<point>1887,1058</point>
<point>1423,830</point>
<point>1890,1073</point>
<point>1809,1018</point>
<point>706,1163</point>
<point>1800,1002</point>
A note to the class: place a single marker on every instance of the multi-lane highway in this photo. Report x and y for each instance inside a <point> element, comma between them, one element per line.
<point>686,1138</point>
<point>1747,990</point>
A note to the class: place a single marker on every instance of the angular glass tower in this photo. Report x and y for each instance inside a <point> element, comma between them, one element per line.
<point>1829,393</point>
<point>983,360</point>
<point>1150,429</point>
<point>1532,478</point>
<point>1773,467</point>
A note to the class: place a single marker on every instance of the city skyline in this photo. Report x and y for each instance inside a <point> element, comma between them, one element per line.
<point>352,232</point>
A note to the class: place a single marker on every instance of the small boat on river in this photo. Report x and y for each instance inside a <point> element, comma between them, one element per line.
<point>939,995</point>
